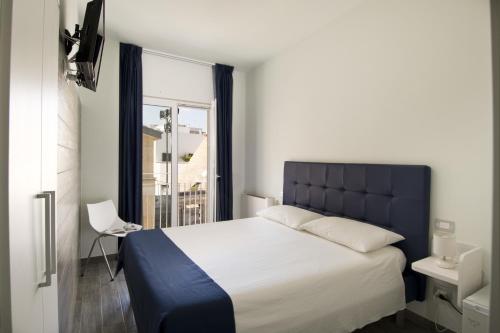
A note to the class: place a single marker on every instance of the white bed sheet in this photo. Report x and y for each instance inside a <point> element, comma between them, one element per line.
<point>284,280</point>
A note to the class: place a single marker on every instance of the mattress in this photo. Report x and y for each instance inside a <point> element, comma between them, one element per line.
<point>283,280</point>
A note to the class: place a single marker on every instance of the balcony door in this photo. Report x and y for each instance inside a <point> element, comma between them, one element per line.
<point>178,164</point>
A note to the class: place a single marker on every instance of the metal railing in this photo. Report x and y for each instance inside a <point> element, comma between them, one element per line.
<point>192,205</point>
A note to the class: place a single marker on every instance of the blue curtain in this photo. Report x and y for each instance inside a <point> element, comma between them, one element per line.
<point>223,86</point>
<point>130,155</point>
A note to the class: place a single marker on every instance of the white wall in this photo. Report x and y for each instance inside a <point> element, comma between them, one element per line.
<point>169,78</point>
<point>5,31</point>
<point>400,82</point>
<point>495,270</point>
<point>162,77</point>
<point>99,142</point>
<point>239,144</point>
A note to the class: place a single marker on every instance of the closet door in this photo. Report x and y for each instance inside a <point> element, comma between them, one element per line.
<point>25,156</point>
<point>33,293</point>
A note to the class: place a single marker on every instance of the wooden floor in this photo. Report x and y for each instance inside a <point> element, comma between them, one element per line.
<point>104,306</point>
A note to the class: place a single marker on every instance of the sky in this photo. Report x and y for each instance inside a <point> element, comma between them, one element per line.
<point>191,117</point>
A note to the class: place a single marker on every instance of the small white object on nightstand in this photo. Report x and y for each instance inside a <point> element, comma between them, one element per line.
<point>444,244</point>
<point>466,275</point>
<point>445,247</point>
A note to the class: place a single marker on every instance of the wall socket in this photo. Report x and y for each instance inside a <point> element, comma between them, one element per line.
<point>441,225</point>
<point>446,289</point>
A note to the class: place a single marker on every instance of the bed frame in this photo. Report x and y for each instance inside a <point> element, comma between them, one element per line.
<point>395,197</point>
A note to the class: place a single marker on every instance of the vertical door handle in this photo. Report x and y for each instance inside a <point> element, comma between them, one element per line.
<point>53,258</point>
<point>48,274</point>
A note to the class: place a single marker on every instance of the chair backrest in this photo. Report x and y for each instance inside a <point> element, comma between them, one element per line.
<point>102,215</point>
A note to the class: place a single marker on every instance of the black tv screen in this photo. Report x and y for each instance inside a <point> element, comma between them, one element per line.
<point>89,55</point>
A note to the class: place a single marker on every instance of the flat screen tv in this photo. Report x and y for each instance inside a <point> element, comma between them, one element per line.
<point>89,56</point>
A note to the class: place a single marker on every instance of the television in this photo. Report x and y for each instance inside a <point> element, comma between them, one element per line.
<point>89,56</point>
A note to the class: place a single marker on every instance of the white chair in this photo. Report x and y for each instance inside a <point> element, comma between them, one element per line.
<point>105,221</point>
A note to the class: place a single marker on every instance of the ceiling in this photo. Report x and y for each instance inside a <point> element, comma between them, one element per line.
<point>243,33</point>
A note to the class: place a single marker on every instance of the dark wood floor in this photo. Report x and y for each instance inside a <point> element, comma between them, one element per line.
<point>104,306</point>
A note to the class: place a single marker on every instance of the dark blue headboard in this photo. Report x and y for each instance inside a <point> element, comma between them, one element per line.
<point>395,197</point>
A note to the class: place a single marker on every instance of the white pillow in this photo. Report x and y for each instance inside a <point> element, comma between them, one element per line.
<point>290,216</point>
<point>359,236</point>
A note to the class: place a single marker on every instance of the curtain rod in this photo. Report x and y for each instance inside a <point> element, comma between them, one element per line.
<point>176,57</point>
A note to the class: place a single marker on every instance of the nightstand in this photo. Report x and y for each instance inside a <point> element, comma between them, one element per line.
<point>466,275</point>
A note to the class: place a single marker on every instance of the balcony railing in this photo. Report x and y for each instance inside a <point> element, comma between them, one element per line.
<point>192,204</point>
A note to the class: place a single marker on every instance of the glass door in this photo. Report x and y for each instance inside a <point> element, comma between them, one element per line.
<point>192,165</point>
<point>156,166</point>
<point>176,150</point>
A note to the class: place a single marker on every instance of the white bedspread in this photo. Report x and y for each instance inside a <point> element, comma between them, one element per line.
<point>283,280</point>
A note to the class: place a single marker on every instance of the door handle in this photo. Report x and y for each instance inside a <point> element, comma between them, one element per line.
<point>48,274</point>
<point>53,258</point>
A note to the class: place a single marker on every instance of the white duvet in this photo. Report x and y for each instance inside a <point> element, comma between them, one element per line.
<point>283,280</point>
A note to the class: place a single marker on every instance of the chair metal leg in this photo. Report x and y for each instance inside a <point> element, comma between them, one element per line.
<point>106,259</point>
<point>88,257</point>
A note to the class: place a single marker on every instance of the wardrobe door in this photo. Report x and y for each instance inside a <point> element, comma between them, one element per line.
<point>26,211</point>
<point>32,160</point>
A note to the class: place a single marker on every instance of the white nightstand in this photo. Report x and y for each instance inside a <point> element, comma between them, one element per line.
<point>466,275</point>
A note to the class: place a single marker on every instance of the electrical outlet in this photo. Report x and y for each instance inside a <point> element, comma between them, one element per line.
<point>449,291</point>
<point>444,226</point>
<point>440,292</point>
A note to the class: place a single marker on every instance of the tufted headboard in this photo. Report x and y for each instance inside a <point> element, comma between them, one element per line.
<point>395,197</point>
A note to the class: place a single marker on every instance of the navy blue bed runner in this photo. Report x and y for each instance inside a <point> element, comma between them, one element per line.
<point>168,291</point>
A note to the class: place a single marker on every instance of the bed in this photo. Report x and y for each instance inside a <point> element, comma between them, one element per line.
<point>255,275</point>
